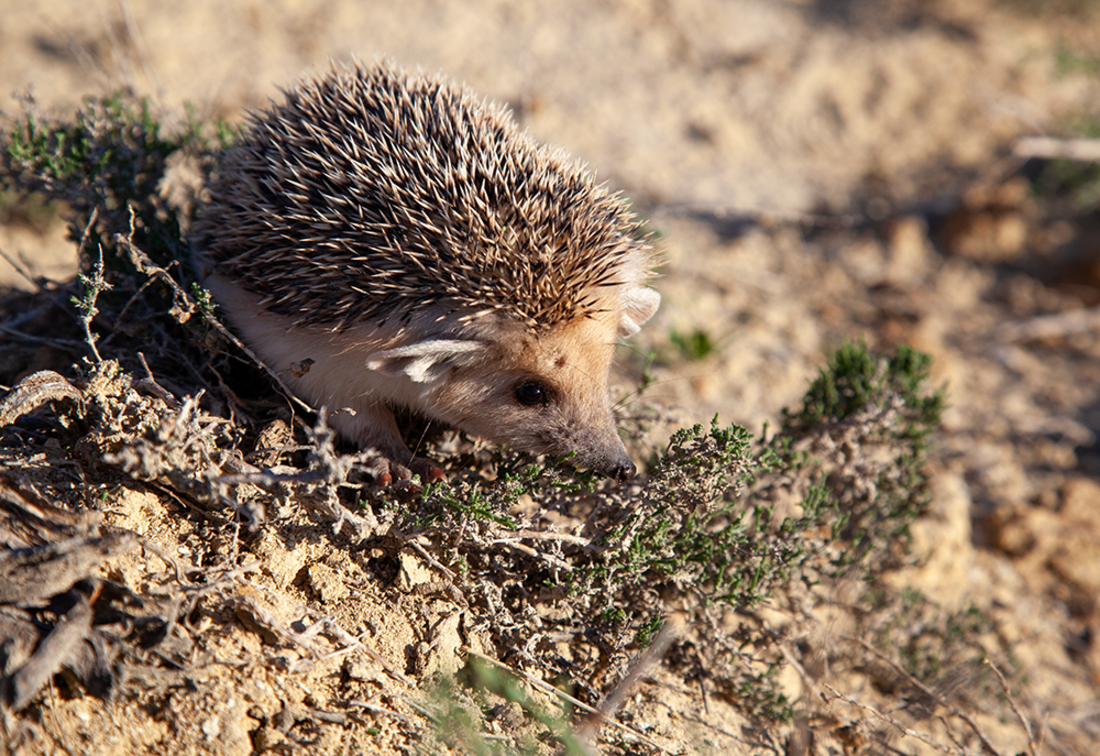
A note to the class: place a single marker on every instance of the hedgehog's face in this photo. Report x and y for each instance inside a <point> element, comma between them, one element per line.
<point>546,394</point>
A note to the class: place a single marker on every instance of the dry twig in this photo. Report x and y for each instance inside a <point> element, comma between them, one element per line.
<point>1034,749</point>
<point>185,306</point>
<point>932,694</point>
<point>642,665</point>
<point>1049,326</point>
<point>1049,148</point>
<point>561,694</point>
<point>900,726</point>
<point>21,270</point>
<point>94,285</point>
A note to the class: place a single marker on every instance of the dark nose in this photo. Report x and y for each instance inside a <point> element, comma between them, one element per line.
<point>623,472</point>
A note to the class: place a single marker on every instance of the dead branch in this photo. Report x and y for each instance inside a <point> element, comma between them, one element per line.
<point>1049,148</point>
<point>900,726</point>
<point>21,270</point>
<point>641,666</point>
<point>34,391</point>
<point>1049,326</point>
<point>1024,723</point>
<point>562,695</point>
<point>94,285</point>
<point>932,694</point>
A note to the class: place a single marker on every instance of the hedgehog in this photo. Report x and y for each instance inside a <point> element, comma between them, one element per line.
<point>403,239</point>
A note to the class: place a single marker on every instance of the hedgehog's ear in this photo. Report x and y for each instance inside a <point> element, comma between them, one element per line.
<point>639,303</point>
<point>425,361</point>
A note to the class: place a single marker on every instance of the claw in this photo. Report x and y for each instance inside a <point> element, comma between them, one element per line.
<point>387,472</point>
<point>428,471</point>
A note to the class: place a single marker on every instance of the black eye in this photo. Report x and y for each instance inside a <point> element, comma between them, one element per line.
<point>531,393</point>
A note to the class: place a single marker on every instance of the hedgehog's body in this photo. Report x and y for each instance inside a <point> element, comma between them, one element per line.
<point>408,239</point>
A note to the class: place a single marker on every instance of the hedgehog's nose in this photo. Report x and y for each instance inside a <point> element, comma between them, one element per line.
<point>623,472</point>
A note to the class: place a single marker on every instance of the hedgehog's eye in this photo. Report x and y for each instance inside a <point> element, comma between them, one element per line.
<point>532,393</point>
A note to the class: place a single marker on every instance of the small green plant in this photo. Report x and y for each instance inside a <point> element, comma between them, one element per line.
<point>1077,182</point>
<point>468,501</point>
<point>491,689</point>
<point>469,498</point>
<point>710,518</point>
<point>756,690</point>
<point>649,630</point>
<point>693,346</point>
<point>866,420</point>
<point>691,532</point>
<point>1069,61</point>
<point>202,298</point>
<point>945,652</point>
<point>126,176</point>
<point>109,159</point>
<point>93,285</point>
<point>856,380</point>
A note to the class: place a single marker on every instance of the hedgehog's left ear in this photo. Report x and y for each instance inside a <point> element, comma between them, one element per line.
<point>425,361</point>
<point>639,303</point>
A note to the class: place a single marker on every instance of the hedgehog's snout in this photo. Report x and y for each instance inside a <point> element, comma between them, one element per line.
<point>597,448</point>
<point>611,460</point>
<point>624,471</point>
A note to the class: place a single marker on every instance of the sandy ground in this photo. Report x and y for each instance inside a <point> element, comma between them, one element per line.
<point>795,158</point>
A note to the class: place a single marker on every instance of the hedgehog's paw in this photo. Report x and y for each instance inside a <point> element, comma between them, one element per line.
<point>428,471</point>
<point>387,471</point>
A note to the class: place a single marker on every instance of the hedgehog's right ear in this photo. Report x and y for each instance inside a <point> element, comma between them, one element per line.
<point>427,360</point>
<point>639,303</point>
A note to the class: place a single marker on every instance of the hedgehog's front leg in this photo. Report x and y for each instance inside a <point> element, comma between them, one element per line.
<point>373,428</point>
